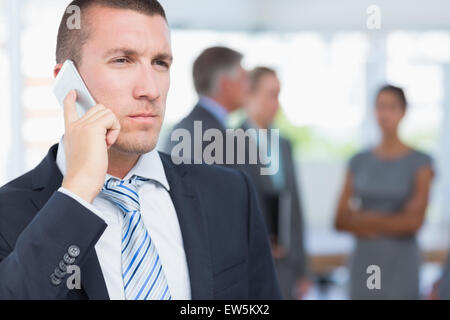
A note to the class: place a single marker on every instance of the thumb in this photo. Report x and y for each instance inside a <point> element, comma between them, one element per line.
<point>112,134</point>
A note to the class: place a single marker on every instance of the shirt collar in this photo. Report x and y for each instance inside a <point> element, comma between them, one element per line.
<point>252,124</point>
<point>215,108</point>
<point>149,166</point>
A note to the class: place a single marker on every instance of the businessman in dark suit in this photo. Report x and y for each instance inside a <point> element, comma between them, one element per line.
<point>278,194</point>
<point>105,206</point>
<point>222,85</point>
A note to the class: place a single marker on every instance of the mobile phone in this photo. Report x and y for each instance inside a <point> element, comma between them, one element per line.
<point>70,79</point>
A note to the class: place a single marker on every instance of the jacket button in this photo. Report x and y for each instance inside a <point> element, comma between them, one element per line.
<point>68,259</point>
<point>73,251</point>
<point>55,280</point>
<point>63,266</point>
<point>59,273</point>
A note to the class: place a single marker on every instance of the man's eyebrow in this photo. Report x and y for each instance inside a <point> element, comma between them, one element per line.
<point>121,51</point>
<point>164,56</point>
<point>133,52</point>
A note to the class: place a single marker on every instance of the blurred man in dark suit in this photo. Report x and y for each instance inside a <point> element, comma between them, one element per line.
<point>222,85</point>
<point>278,193</point>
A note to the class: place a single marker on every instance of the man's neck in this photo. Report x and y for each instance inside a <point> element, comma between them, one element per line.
<point>120,163</point>
<point>257,120</point>
<point>223,102</point>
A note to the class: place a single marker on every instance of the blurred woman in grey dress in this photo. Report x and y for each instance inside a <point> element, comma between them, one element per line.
<point>383,204</point>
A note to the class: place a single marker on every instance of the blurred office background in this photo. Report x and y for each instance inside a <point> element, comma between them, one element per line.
<point>330,64</point>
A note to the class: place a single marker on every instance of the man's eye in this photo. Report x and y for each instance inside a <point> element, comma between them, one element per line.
<point>120,60</point>
<point>162,63</point>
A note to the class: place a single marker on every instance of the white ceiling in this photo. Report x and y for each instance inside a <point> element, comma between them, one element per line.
<point>295,15</point>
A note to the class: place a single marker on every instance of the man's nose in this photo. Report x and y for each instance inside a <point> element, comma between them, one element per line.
<point>147,85</point>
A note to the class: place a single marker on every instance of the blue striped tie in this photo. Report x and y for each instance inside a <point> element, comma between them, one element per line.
<point>142,272</point>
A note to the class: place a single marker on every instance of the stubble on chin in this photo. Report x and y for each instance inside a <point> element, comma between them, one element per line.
<point>135,146</point>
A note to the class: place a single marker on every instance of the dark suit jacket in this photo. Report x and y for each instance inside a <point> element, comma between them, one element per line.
<point>295,264</point>
<point>223,232</point>
<point>208,121</point>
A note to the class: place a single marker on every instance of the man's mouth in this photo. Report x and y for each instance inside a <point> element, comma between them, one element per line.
<point>143,117</point>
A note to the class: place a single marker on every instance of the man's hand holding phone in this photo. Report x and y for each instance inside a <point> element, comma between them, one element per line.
<point>86,143</point>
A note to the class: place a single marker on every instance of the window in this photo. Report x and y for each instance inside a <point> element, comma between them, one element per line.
<point>418,61</point>
<point>4,92</point>
<point>43,117</point>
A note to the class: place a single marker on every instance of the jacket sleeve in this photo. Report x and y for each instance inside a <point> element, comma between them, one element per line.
<point>26,269</point>
<point>263,282</point>
<point>444,285</point>
<point>298,255</point>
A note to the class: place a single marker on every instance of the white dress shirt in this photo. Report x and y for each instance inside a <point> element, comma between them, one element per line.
<point>160,218</point>
<point>215,108</point>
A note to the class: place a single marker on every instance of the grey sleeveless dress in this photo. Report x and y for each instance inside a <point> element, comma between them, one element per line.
<point>385,186</point>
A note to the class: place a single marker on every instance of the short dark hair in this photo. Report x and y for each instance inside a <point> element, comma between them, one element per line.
<point>70,41</point>
<point>210,63</point>
<point>395,90</point>
<point>258,73</point>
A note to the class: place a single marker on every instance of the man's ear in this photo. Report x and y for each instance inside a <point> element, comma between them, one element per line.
<point>57,69</point>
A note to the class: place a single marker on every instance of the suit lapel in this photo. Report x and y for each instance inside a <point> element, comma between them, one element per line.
<point>47,179</point>
<point>193,225</point>
<point>207,118</point>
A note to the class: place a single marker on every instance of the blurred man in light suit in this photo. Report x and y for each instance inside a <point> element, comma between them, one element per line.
<point>278,193</point>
